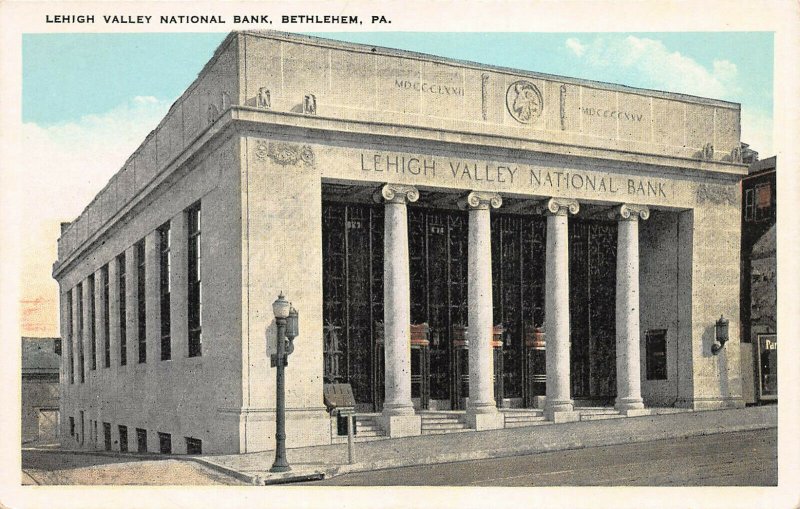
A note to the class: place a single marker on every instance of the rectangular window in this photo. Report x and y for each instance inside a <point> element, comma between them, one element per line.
<point>763,201</point>
<point>106,322</point>
<point>165,443</point>
<point>165,263</point>
<point>70,360</point>
<point>141,301</point>
<point>195,289</point>
<point>71,426</point>
<point>123,317</point>
<point>141,440</point>
<point>123,438</point>
<point>749,204</point>
<point>107,436</point>
<point>83,428</point>
<point>95,432</point>
<point>79,331</point>
<point>90,318</point>
<point>656,354</point>
<point>194,446</point>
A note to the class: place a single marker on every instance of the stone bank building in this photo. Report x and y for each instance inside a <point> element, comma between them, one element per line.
<point>468,246</point>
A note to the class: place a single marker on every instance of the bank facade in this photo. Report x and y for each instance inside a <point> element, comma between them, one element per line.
<point>456,237</point>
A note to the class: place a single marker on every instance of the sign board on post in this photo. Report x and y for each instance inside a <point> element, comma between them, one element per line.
<point>768,366</point>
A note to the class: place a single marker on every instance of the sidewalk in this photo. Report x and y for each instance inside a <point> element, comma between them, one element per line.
<point>329,460</point>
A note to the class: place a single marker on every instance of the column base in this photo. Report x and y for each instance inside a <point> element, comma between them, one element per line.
<point>482,418</point>
<point>710,403</point>
<point>396,426</point>
<point>561,411</point>
<point>629,406</point>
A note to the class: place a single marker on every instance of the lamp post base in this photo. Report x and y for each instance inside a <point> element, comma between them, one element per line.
<point>283,467</point>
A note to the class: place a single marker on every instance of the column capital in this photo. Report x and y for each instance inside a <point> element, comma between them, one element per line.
<point>480,200</point>
<point>396,193</point>
<point>629,212</point>
<point>559,207</point>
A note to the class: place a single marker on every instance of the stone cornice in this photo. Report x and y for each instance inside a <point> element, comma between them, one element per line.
<point>480,200</point>
<point>396,193</point>
<point>630,212</point>
<point>559,207</point>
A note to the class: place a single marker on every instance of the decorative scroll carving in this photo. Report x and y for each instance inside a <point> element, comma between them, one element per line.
<point>285,154</point>
<point>629,212</point>
<point>226,101</point>
<point>718,195</point>
<point>480,200</point>
<point>263,99</point>
<point>708,152</point>
<point>396,193</point>
<point>484,94</point>
<point>310,104</point>
<point>563,106</point>
<point>559,207</point>
<point>736,154</point>
<point>524,101</point>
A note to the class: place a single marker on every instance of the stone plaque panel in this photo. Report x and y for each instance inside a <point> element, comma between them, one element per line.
<point>634,117</point>
<point>263,69</point>
<point>668,122</point>
<point>726,130</point>
<point>598,113</point>
<point>397,81</point>
<point>305,71</point>
<point>352,79</point>
<point>442,90</point>
<point>699,126</point>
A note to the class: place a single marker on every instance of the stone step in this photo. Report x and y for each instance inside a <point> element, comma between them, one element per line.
<point>343,440</point>
<point>525,418</point>
<point>443,425</point>
<point>520,424</point>
<point>599,417</point>
<point>520,413</point>
<point>443,431</point>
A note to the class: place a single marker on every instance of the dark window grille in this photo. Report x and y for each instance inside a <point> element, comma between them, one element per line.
<point>195,290</point>
<point>90,318</point>
<point>194,446</point>
<point>123,438</point>
<point>141,300</point>
<point>70,360</point>
<point>656,354</point>
<point>123,316</point>
<point>107,436</point>
<point>71,426</point>
<point>165,282</point>
<point>141,440</point>
<point>79,320</point>
<point>106,322</point>
<point>165,443</point>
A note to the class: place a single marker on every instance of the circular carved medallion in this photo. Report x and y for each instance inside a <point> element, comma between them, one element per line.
<point>524,101</point>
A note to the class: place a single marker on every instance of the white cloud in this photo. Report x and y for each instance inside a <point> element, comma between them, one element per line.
<point>658,67</point>
<point>65,166</point>
<point>576,46</point>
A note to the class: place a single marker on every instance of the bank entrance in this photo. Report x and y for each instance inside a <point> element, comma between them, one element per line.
<point>353,251</point>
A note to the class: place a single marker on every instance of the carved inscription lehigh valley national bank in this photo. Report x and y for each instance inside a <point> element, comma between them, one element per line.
<point>465,172</point>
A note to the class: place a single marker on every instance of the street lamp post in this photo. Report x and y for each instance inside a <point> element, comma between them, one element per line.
<point>286,319</point>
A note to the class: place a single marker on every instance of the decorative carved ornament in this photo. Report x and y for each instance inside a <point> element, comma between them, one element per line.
<point>718,195</point>
<point>484,94</point>
<point>630,212</point>
<point>559,207</point>
<point>707,152</point>
<point>396,193</point>
<point>310,104</point>
<point>285,154</point>
<point>563,106</point>
<point>736,154</point>
<point>213,113</point>
<point>524,101</point>
<point>480,200</point>
<point>263,99</point>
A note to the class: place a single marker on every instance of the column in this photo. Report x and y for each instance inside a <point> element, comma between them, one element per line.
<point>629,391</point>
<point>482,410</point>
<point>131,307</point>
<point>398,418</point>
<point>558,407</point>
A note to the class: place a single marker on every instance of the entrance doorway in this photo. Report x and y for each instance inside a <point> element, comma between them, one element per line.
<point>592,302</point>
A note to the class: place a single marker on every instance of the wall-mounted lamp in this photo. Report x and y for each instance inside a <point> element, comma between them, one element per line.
<point>720,335</point>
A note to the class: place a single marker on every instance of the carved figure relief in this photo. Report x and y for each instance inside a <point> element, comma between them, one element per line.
<point>263,99</point>
<point>213,113</point>
<point>716,194</point>
<point>736,154</point>
<point>563,106</point>
<point>708,152</point>
<point>524,101</point>
<point>310,104</point>
<point>285,154</point>
<point>484,94</point>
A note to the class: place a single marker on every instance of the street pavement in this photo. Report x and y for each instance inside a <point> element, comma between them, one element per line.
<point>727,459</point>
